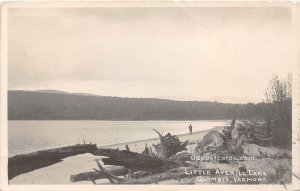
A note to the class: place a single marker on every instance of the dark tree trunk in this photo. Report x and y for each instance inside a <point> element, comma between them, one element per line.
<point>28,162</point>
<point>135,161</point>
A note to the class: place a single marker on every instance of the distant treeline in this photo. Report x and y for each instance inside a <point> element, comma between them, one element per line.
<point>34,105</point>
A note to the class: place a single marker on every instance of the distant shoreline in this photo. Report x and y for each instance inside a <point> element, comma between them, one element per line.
<point>26,105</point>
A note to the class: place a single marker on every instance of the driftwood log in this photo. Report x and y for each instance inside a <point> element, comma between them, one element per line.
<point>231,138</point>
<point>169,145</point>
<point>95,175</point>
<point>111,177</point>
<point>211,139</point>
<point>136,161</point>
<point>20,164</point>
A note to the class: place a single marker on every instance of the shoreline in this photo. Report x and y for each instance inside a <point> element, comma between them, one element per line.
<point>59,173</point>
<point>157,139</point>
<point>125,143</point>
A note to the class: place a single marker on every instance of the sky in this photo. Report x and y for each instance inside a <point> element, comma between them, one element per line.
<point>204,54</point>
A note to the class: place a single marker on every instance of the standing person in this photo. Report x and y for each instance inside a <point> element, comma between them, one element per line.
<point>191,129</point>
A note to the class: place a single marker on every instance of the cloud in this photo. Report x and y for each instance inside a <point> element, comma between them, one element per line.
<point>201,52</point>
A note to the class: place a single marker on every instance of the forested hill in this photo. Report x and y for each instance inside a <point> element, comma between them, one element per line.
<point>54,105</point>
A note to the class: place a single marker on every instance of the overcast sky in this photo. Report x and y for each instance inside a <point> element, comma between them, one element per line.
<point>222,54</point>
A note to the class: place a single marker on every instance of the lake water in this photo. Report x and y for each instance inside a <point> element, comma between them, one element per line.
<point>29,136</point>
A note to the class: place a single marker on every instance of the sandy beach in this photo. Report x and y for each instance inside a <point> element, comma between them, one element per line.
<point>60,173</point>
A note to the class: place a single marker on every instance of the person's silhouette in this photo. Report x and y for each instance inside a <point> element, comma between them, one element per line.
<point>191,129</point>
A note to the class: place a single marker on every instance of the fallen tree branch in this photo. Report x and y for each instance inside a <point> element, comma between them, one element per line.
<point>136,161</point>
<point>94,175</point>
<point>169,145</point>
<point>28,162</point>
<point>108,175</point>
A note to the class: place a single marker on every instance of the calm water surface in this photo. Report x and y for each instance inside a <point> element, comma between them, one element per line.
<point>29,136</point>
